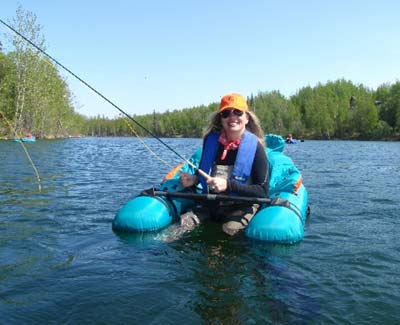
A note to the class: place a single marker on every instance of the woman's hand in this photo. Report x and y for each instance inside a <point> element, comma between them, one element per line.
<point>187,179</point>
<point>217,184</point>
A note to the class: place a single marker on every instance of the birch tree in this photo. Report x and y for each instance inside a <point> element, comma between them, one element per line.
<point>26,61</point>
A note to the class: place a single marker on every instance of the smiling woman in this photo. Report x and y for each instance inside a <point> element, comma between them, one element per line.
<point>234,163</point>
<point>233,175</point>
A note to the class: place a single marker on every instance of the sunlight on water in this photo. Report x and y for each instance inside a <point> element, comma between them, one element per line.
<point>61,262</point>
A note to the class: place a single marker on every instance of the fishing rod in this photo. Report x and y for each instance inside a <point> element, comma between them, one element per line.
<point>104,97</point>
<point>208,197</point>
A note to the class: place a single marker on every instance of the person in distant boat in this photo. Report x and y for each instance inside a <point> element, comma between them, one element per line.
<point>289,138</point>
<point>234,162</point>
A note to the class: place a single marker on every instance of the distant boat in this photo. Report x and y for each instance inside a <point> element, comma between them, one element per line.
<point>26,139</point>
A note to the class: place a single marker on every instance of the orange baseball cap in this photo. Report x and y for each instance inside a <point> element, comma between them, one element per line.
<point>233,101</point>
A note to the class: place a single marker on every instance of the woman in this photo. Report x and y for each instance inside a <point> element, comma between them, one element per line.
<point>233,162</point>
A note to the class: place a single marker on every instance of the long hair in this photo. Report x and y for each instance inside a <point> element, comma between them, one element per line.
<point>254,126</point>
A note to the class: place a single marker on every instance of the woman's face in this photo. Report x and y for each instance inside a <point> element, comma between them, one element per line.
<point>234,124</point>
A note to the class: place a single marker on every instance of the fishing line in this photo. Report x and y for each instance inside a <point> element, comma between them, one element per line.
<point>145,145</point>
<point>101,95</point>
<point>2,115</point>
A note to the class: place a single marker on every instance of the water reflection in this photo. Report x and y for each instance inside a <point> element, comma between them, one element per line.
<point>60,262</point>
<point>238,280</point>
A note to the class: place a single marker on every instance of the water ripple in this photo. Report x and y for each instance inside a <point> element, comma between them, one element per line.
<point>61,262</point>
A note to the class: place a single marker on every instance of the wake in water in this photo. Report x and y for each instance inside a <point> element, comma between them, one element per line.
<point>172,233</point>
<point>178,230</point>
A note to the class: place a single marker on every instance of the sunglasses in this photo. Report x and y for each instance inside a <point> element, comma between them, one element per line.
<point>227,112</point>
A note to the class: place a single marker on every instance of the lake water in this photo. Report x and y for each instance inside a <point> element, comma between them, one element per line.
<point>60,261</point>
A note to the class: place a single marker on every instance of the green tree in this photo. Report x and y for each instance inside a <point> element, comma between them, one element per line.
<point>7,86</point>
<point>382,94</point>
<point>26,62</point>
<point>35,96</point>
<point>393,106</point>
<point>364,118</point>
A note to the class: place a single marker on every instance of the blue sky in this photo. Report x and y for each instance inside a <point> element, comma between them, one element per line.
<point>158,55</point>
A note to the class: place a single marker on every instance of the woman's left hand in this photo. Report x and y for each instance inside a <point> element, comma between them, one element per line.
<point>217,184</point>
<point>187,179</point>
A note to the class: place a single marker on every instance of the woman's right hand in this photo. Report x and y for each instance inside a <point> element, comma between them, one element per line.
<point>187,179</point>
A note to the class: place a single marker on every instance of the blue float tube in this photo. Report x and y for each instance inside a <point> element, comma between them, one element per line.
<point>26,139</point>
<point>281,222</point>
<point>151,213</point>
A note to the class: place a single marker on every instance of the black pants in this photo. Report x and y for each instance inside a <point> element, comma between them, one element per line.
<point>233,217</point>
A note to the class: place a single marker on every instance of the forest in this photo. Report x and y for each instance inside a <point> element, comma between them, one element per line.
<point>35,98</point>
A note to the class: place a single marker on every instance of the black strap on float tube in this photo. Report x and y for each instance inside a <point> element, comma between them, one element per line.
<point>150,192</point>
<point>286,204</point>
<point>218,197</point>
<point>93,89</point>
